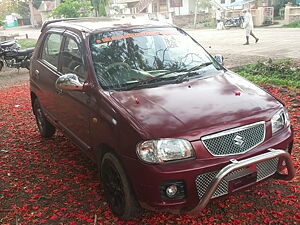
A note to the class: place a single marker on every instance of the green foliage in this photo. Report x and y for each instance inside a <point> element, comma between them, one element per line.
<point>23,9</point>
<point>203,4</point>
<point>282,72</point>
<point>295,24</point>
<point>278,4</point>
<point>2,21</point>
<point>27,43</point>
<point>99,6</point>
<point>72,9</point>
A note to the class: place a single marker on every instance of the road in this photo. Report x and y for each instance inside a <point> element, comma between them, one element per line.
<point>273,43</point>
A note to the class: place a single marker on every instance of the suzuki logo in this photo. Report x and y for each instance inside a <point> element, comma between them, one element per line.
<point>239,141</point>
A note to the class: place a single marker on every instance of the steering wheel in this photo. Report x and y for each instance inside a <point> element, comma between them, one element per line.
<point>110,66</point>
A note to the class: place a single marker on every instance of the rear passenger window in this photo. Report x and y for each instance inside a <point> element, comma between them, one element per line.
<point>51,49</point>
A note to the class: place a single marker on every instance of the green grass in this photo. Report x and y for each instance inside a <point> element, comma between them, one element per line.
<point>295,24</point>
<point>282,73</point>
<point>27,43</point>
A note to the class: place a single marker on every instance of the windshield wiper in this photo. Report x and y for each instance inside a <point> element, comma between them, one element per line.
<point>186,72</point>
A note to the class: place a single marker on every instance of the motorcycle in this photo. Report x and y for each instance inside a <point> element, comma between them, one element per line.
<point>12,56</point>
<point>234,22</point>
<point>11,44</point>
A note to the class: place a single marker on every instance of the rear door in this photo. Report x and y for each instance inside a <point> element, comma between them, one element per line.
<point>45,71</point>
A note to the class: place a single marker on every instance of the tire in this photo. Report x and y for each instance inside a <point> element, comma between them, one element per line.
<point>1,65</point>
<point>27,64</point>
<point>46,129</point>
<point>117,189</point>
<point>227,25</point>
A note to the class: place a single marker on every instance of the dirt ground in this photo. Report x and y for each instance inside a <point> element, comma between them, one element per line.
<point>273,43</point>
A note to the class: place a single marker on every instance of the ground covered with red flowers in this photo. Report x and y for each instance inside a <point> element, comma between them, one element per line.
<point>52,182</point>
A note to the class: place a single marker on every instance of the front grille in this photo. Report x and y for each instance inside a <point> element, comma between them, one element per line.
<point>235,141</point>
<point>263,169</point>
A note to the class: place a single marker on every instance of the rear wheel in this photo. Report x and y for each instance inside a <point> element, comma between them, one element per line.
<point>46,129</point>
<point>117,190</point>
<point>227,24</point>
<point>1,65</point>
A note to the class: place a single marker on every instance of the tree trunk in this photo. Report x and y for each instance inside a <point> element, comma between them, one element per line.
<point>32,19</point>
<point>196,9</point>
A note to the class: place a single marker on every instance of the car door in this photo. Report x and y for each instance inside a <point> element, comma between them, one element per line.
<point>45,71</point>
<point>74,106</point>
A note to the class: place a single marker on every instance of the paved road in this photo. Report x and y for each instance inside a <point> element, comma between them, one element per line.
<point>273,43</point>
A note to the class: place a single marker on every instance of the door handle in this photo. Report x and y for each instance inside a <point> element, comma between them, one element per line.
<point>36,74</point>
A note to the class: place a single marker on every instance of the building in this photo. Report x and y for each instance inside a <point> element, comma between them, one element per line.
<point>178,7</point>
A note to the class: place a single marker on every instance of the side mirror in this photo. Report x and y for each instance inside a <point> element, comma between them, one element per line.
<point>219,59</point>
<point>69,82</point>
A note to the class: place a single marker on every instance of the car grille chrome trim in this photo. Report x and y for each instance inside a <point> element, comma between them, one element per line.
<point>264,169</point>
<point>235,141</point>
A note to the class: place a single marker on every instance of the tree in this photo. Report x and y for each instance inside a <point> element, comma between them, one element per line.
<point>203,4</point>
<point>72,9</point>
<point>99,6</point>
<point>23,9</point>
<point>278,4</point>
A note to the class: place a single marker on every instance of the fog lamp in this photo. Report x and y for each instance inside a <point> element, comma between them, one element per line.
<point>171,191</point>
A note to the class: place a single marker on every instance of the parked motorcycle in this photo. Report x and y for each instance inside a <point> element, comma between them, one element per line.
<point>234,22</point>
<point>11,44</point>
<point>12,56</point>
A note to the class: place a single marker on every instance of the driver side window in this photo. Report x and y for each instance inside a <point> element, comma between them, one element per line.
<point>72,61</point>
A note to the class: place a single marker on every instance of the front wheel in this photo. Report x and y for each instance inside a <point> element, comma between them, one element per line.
<point>46,129</point>
<point>117,190</point>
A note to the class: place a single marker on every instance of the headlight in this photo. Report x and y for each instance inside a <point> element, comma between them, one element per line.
<point>163,150</point>
<point>280,120</point>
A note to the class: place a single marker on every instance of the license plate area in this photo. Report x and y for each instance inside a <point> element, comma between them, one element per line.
<point>243,181</point>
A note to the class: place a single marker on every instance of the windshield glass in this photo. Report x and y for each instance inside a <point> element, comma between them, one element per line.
<point>147,57</point>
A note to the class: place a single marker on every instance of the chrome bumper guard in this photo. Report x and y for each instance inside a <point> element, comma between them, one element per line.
<point>235,165</point>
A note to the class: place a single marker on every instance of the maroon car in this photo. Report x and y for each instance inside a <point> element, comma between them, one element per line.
<point>168,126</point>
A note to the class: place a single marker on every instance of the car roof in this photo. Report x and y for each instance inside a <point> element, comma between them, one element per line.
<point>98,24</point>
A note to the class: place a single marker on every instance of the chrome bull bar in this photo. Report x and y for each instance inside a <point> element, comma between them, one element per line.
<point>235,165</point>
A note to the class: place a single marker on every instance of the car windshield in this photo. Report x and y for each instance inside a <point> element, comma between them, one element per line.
<point>140,58</point>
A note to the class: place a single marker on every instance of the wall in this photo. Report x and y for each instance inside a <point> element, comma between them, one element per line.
<point>184,10</point>
<point>291,14</point>
<point>259,15</point>
<point>189,19</point>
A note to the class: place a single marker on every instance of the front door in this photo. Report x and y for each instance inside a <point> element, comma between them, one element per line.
<point>74,106</point>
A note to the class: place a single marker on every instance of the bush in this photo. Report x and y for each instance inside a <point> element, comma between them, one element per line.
<point>281,72</point>
<point>295,24</point>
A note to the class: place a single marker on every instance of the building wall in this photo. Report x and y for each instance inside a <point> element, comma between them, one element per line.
<point>184,10</point>
<point>291,14</point>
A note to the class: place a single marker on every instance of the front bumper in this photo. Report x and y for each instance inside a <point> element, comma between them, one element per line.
<point>236,165</point>
<point>147,179</point>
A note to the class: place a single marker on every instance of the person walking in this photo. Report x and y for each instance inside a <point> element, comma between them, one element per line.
<point>218,18</point>
<point>248,26</point>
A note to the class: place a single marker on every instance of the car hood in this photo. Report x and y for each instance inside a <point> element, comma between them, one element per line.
<point>197,107</point>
